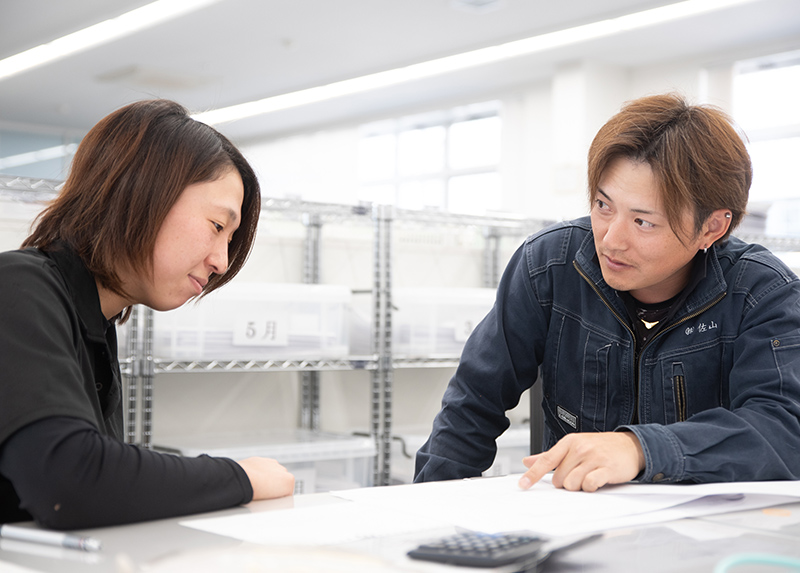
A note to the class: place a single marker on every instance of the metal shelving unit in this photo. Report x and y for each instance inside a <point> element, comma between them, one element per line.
<point>312,216</point>
<point>385,219</point>
<point>775,244</point>
<point>28,190</point>
<point>139,367</point>
<point>381,364</point>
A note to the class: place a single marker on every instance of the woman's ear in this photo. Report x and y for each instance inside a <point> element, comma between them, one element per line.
<point>715,227</point>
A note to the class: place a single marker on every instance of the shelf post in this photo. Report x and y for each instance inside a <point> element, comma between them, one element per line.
<point>148,373</point>
<point>310,407</point>
<point>131,375</point>
<point>382,343</point>
<point>491,256</point>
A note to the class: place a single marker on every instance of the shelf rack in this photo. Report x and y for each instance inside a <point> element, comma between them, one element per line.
<point>29,190</point>
<point>139,367</point>
<point>381,363</point>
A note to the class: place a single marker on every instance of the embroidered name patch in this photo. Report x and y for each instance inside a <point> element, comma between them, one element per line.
<point>701,327</point>
<point>567,417</point>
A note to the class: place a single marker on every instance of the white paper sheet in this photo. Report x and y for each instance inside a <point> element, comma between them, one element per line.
<point>497,504</point>
<point>785,488</point>
<point>493,505</point>
<point>317,525</point>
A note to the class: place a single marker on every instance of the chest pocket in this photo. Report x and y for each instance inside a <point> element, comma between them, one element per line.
<point>584,374</point>
<point>689,384</point>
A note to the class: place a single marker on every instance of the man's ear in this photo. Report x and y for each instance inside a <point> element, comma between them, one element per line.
<point>715,227</point>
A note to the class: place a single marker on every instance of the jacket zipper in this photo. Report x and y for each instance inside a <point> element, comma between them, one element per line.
<point>633,335</point>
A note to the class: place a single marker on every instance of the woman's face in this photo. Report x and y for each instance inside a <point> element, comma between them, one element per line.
<point>192,243</point>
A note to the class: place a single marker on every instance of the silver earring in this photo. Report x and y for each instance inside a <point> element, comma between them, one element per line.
<point>727,215</point>
<point>705,250</point>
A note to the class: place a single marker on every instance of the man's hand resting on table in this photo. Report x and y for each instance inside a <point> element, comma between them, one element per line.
<point>268,478</point>
<point>587,461</point>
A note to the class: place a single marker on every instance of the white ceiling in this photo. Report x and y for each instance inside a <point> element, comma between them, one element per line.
<point>235,51</point>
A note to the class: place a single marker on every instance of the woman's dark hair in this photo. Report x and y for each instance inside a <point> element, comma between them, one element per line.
<point>127,173</point>
<point>698,159</point>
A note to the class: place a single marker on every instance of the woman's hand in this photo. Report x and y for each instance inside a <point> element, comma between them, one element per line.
<point>268,478</point>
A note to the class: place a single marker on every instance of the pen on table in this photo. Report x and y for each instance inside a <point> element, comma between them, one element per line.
<point>49,538</point>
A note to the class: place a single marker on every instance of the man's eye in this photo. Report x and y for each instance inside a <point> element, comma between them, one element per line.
<point>644,224</point>
<point>601,204</point>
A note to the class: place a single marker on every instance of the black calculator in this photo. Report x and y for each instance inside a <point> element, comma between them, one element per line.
<point>475,549</point>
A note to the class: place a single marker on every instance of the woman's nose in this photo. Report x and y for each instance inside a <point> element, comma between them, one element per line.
<point>218,259</point>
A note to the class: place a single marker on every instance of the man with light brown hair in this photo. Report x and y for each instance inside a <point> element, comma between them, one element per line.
<point>668,350</point>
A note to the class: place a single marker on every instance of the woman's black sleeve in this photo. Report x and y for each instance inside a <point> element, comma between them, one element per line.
<point>69,476</point>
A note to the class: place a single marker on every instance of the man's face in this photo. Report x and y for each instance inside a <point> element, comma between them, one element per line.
<point>637,249</point>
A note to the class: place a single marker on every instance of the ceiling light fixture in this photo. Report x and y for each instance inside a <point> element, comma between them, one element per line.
<point>465,60</point>
<point>145,17</point>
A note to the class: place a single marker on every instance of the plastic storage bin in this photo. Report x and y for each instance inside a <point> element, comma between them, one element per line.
<point>512,446</point>
<point>257,321</point>
<point>425,321</point>
<point>319,461</point>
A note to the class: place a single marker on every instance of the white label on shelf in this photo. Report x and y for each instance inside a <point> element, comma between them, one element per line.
<point>262,330</point>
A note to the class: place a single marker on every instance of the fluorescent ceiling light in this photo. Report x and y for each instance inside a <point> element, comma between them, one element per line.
<point>466,60</point>
<point>93,36</point>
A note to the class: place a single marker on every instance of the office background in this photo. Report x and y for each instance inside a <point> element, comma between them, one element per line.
<point>506,137</point>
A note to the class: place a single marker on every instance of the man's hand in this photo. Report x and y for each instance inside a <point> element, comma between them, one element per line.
<point>587,461</point>
<point>268,478</point>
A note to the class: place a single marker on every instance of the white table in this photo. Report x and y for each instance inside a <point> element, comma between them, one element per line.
<point>686,545</point>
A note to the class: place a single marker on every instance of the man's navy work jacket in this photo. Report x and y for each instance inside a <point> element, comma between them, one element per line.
<point>715,393</point>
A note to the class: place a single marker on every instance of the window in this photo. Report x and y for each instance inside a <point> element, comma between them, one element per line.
<point>765,96</point>
<point>35,155</point>
<point>446,160</point>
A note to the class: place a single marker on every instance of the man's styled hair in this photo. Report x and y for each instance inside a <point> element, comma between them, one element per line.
<point>127,173</point>
<point>699,161</point>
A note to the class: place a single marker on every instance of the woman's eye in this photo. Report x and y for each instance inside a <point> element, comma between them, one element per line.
<point>218,227</point>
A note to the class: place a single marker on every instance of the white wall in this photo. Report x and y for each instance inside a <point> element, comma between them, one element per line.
<point>547,129</point>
